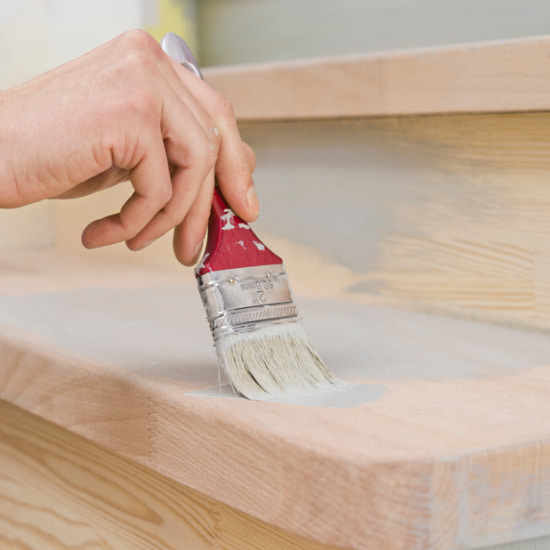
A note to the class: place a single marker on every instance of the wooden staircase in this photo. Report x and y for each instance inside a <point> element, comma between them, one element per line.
<point>408,194</point>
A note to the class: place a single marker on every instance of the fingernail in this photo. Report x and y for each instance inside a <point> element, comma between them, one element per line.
<point>252,201</point>
<point>145,245</point>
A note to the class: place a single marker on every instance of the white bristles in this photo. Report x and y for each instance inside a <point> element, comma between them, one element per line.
<point>272,361</point>
<point>261,345</point>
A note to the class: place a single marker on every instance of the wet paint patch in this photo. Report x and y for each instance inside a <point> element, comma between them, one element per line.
<point>352,395</point>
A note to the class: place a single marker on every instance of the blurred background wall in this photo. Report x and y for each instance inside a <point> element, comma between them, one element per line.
<point>36,35</point>
<point>244,31</point>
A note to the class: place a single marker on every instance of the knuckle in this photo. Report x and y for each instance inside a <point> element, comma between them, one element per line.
<point>213,150</point>
<point>164,194</point>
<point>212,142</point>
<point>142,100</point>
<point>223,106</point>
<point>138,39</point>
<point>140,54</point>
<point>214,137</point>
<point>204,153</point>
<point>235,169</point>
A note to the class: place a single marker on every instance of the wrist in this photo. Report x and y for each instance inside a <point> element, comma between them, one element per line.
<point>9,194</point>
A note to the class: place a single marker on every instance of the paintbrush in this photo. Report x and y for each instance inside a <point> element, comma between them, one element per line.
<point>259,338</point>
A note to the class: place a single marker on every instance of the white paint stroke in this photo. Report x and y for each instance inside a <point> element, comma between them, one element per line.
<point>259,246</point>
<point>227,217</point>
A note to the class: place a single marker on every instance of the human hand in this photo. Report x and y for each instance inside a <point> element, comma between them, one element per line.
<point>124,111</point>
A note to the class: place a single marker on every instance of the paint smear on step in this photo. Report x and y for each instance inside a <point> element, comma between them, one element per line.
<point>351,395</point>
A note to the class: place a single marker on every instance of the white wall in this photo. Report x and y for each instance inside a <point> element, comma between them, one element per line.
<point>243,31</point>
<point>36,35</point>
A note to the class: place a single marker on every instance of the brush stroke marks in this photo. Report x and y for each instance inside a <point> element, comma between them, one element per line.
<point>351,395</point>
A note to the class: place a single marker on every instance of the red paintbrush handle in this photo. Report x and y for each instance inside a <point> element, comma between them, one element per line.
<point>231,243</point>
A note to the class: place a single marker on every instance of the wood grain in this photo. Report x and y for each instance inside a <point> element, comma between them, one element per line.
<point>510,75</point>
<point>59,491</point>
<point>445,213</point>
<point>435,213</point>
<point>449,447</point>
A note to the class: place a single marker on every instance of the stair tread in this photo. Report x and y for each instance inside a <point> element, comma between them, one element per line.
<point>497,76</point>
<point>443,411</point>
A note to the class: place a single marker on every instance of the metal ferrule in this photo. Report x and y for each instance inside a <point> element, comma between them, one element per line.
<point>247,298</point>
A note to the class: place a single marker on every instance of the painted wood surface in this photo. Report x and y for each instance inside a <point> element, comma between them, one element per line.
<point>434,213</point>
<point>541,543</point>
<point>444,213</point>
<point>59,491</point>
<point>250,31</point>
<point>444,442</point>
<point>506,76</point>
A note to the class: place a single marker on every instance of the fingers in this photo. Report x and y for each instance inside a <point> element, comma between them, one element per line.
<point>183,136</point>
<point>142,206</point>
<point>189,235</point>
<point>250,156</point>
<point>233,172</point>
<point>192,152</point>
<point>186,205</point>
<point>161,200</point>
<point>187,184</point>
<point>235,160</point>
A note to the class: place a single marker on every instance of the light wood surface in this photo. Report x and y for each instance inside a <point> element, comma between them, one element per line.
<point>443,443</point>
<point>437,213</point>
<point>59,491</point>
<point>512,75</point>
<point>433,213</point>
